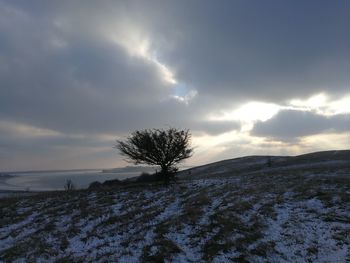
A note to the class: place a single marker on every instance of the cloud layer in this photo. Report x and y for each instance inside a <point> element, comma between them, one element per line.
<point>93,70</point>
<point>289,125</point>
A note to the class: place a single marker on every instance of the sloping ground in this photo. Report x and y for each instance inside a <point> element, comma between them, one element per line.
<point>318,161</point>
<point>299,216</point>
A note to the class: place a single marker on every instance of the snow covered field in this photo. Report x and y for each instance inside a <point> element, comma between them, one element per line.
<point>295,217</point>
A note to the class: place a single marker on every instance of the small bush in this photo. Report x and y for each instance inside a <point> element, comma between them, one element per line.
<point>146,178</point>
<point>95,185</point>
<point>113,182</point>
<point>69,186</point>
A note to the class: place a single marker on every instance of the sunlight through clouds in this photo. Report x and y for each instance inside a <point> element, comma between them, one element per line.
<point>322,142</point>
<point>340,106</point>
<point>249,112</point>
<point>322,104</point>
<point>313,102</point>
<point>26,131</point>
<point>139,45</point>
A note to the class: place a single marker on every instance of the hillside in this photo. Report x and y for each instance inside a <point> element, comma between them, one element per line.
<point>297,209</point>
<point>329,160</point>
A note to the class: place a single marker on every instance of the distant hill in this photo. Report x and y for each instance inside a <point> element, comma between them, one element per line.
<point>131,169</point>
<point>265,163</point>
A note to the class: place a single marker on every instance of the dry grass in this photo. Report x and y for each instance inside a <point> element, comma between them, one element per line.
<point>206,220</point>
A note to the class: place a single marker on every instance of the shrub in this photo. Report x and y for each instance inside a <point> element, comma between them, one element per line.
<point>69,186</point>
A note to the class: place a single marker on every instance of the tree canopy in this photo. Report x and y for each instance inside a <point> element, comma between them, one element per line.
<point>160,147</point>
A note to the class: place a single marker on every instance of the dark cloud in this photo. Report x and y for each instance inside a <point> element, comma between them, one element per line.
<point>88,85</point>
<point>259,50</point>
<point>214,127</point>
<point>288,125</point>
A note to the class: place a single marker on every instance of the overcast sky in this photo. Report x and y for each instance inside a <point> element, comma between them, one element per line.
<point>246,77</point>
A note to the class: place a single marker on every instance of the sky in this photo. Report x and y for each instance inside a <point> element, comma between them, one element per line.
<point>246,77</point>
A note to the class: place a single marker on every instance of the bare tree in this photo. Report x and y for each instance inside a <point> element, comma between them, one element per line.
<point>165,148</point>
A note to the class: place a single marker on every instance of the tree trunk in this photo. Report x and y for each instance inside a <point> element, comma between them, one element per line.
<point>165,174</point>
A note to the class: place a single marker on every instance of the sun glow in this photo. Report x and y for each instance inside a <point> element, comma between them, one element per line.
<point>249,112</point>
<point>316,102</point>
<point>322,104</point>
<point>340,106</point>
<point>138,45</point>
